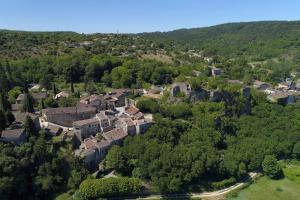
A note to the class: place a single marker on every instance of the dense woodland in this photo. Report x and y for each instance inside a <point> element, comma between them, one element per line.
<point>258,40</point>
<point>193,146</point>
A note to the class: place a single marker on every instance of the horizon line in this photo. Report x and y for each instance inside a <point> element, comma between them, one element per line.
<point>142,32</point>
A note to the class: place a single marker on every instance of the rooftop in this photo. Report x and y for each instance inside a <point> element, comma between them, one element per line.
<point>115,134</point>
<point>21,116</point>
<point>69,110</point>
<point>89,143</point>
<point>103,143</point>
<point>128,121</point>
<point>14,133</point>
<point>131,110</point>
<point>85,122</point>
<point>283,94</point>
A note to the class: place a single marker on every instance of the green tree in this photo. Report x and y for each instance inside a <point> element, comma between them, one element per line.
<point>29,127</point>
<point>10,117</point>
<point>115,159</point>
<point>3,121</point>
<point>296,150</point>
<point>28,103</point>
<point>54,89</point>
<point>271,167</point>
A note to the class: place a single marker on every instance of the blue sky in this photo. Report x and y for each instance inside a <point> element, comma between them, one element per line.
<point>131,16</point>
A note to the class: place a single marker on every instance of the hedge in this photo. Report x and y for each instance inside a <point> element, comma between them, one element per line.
<point>108,187</point>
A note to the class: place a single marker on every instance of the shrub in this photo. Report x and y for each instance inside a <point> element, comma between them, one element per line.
<point>271,167</point>
<point>108,187</point>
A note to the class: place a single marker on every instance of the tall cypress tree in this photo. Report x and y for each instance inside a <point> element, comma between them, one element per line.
<point>54,89</point>
<point>29,127</point>
<point>72,87</point>
<point>10,118</point>
<point>27,101</point>
<point>3,122</point>
<point>4,103</point>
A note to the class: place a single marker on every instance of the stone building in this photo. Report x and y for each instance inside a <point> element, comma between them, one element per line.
<point>184,88</point>
<point>127,125</point>
<point>133,112</point>
<point>16,136</point>
<point>87,127</point>
<point>67,115</point>
<point>142,125</point>
<point>115,136</point>
<point>115,99</point>
<point>93,150</point>
<point>96,101</point>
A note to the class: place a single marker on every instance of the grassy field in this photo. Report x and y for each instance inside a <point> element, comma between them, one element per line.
<point>264,188</point>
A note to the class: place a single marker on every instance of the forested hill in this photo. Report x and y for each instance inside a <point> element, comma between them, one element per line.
<point>255,40</point>
<point>15,44</point>
<point>265,38</point>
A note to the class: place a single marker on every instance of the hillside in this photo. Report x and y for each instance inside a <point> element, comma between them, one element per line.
<point>260,40</point>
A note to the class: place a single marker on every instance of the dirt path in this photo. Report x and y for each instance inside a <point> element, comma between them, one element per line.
<point>205,194</point>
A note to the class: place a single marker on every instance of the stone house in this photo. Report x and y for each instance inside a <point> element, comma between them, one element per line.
<point>54,130</point>
<point>133,112</point>
<point>96,101</point>
<point>115,136</point>
<point>93,150</point>
<point>283,97</point>
<point>115,99</point>
<point>67,115</point>
<point>142,125</point>
<point>127,125</point>
<point>87,127</point>
<point>177,88</point>
<point>20,117</point>
<point>106,120</point>
<point>16,136</point>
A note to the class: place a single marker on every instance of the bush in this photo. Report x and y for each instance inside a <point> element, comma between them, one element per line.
<point>271,167</point>
<point>148,105</point>
<point>108,187</point>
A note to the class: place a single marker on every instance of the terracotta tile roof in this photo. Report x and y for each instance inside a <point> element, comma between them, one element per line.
<point>128,121</point>
<point>90,143</point>
<point>131,110</point>
<point>115,134</point>
<point>85,122</point>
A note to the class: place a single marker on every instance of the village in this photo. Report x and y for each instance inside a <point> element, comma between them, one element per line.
<point>99,121</point>
<point>95,124</point>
